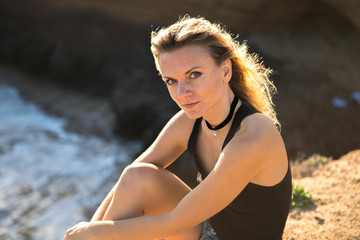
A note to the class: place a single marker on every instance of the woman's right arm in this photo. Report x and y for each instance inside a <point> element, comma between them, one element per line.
<point>168,146</point>
<point>170,143</point>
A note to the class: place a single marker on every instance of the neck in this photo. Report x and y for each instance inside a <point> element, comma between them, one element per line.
<point>222,113</point>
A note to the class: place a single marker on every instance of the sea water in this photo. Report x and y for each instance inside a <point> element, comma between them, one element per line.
<point>49,178</point>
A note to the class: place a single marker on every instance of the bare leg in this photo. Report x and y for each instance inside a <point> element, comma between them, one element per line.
<point>145,189</point>
<point>100,212</point>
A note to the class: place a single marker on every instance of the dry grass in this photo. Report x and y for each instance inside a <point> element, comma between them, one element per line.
<point>305,167</point>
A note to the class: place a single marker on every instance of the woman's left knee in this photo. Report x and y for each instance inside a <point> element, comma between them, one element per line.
<point>139,175</point>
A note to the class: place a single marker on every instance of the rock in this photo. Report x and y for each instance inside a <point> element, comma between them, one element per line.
<point>320,220</point>
<point>142,105</point>
<point>250,17</point>
<point>349,8</point>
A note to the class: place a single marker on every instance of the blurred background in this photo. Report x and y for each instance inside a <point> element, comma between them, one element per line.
<point>80,96</point>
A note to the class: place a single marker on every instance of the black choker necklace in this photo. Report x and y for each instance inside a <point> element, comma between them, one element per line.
<point>227,119</point>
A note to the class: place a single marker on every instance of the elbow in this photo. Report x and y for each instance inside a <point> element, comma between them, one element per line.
<point>176,225</point>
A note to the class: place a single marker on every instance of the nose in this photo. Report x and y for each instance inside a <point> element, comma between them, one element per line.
<point>183,90</point>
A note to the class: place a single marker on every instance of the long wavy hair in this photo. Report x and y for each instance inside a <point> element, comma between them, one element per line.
<point>250,78</point>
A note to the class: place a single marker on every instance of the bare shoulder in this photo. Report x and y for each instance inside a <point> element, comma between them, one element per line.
<point>178,128</point>
<point>259,139</point>
<point>181,122</point>
<point>258,127</point>
<point>181,119</point>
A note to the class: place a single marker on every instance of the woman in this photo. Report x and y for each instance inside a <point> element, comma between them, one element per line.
<point>228,124</point>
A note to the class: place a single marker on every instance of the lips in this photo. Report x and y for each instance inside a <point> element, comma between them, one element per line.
<point>190,105</point>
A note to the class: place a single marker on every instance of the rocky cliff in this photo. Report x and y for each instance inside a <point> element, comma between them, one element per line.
<point>102,48</point>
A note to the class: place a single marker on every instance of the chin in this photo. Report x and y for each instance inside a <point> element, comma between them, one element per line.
<point>193,114</point>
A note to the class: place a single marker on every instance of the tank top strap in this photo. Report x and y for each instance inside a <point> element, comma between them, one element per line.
<point>193,137</point>
<point>243,111</point>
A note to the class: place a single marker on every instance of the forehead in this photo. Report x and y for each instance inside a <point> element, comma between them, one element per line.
<point>183,59</point>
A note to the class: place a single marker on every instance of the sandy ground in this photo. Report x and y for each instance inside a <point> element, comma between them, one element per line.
<point>335,188</point>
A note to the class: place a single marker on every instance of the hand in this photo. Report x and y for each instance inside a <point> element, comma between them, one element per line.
<point>81,231</point>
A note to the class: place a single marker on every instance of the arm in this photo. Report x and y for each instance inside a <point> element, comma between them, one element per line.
<point>230,175</point>
<point>171,142</point>
<point>161,153</point>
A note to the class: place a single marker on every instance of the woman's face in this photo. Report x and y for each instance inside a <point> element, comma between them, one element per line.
<point>195,82</point>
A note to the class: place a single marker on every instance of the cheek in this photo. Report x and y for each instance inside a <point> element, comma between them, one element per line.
<point>212,85</point>
<point>172,93</point>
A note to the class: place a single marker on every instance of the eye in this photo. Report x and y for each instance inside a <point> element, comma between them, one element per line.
<point>195,75</point>
<point>170,81</point>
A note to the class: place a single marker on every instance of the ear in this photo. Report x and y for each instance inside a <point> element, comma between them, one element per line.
<point>227,70</point>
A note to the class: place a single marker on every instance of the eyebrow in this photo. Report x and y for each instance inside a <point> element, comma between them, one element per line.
<point>192,69</point>
<point>187,72</point>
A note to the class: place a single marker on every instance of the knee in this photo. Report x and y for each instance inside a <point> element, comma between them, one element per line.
<point>138,176</point>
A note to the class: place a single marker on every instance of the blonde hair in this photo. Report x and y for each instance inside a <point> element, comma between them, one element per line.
<point>250,78</point>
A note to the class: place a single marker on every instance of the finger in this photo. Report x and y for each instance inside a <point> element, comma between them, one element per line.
<point>67,235</point>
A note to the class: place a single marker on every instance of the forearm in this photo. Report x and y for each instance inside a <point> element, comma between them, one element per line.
<point>144,227</point>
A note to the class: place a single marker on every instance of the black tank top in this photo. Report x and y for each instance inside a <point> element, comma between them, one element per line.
<point>258,212</point>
